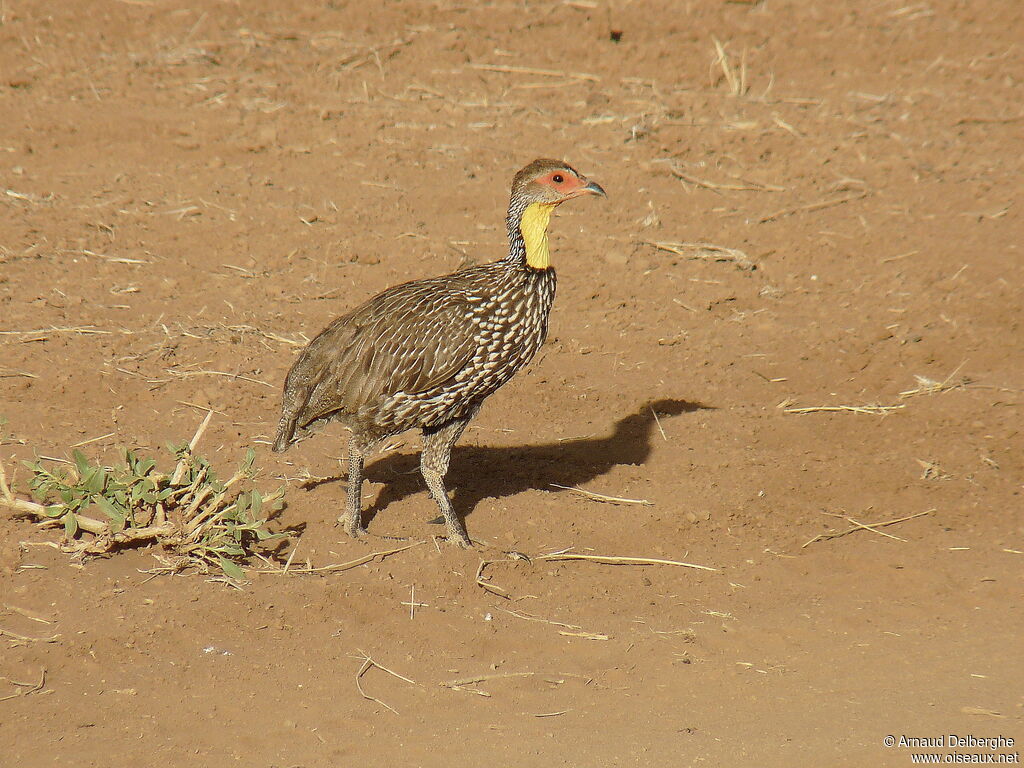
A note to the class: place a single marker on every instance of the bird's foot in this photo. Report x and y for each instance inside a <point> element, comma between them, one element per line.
<point>459,539</point>
<point>353,526</point>
<point>456,534</point>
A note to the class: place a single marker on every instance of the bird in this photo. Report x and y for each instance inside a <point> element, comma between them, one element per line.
<point>426,354</point>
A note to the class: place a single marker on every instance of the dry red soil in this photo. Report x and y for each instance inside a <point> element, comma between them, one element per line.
<point>190,190</point>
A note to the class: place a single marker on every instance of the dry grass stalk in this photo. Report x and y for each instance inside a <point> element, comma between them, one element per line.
<point>27,614</point>
<point>26,689</point>
<point>857,526</point>
<point>369,663</point>
<point>735,77</point>
<point>657,421</point>
<point>487,587</point>
<point>705,251</point>
<point>602,497</point>
<point>356,60</point>
<point>84,330</point>
<point>576,631</point>
<point>93,440</point>
<point>875,410</point>
<point>338,567</point>
<point>745,186</point>
<point>928,386</point>
<point>564,556</point>
<point>534,71</point>
<point>461,682</point>
<point>10,373</point>
<point>818,206</point>
<point>21,639</point>
<point>932,471</point>
<point>613,560</point>
<point>413,605</point>
<point>236,376</point>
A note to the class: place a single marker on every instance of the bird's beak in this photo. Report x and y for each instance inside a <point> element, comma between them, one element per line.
<point>589,188</point>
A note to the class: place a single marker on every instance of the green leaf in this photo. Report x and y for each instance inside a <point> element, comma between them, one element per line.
<point>245,467</point>
<point>97,480</point>
<point>70,524</point>
<point>117,516</point>
<point>81,463</point>
<point>231,570</point>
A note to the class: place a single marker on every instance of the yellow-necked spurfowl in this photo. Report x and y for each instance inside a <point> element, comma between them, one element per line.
<point>427,353</point>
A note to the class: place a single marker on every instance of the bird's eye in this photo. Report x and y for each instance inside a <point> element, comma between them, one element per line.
<point>558,178</point>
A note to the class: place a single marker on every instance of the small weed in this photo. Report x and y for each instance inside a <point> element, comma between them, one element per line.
<point>198,520</point>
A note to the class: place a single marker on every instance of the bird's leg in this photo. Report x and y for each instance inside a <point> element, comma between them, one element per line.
<point>437,453</point>
<point>352,518</point>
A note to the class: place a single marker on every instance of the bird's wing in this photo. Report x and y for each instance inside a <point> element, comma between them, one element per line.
<point>409,340</point>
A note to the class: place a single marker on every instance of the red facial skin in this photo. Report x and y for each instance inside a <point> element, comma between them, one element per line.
<point>569,187</point>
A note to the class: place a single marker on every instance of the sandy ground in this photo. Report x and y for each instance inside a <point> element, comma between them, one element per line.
<point>824,214</point>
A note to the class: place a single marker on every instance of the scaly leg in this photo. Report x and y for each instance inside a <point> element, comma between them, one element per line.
<point>352,518</point>
<point>437,453</point>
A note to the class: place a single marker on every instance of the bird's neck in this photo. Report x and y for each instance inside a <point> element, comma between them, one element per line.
<point>528,234</point>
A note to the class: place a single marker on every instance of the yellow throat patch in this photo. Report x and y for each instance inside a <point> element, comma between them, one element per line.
<point>534,226</point>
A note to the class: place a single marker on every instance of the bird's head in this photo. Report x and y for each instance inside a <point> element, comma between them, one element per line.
<point>551,182</point>
<point>536,191</point>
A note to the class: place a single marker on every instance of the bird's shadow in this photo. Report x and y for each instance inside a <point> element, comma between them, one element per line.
<point>480,472</point>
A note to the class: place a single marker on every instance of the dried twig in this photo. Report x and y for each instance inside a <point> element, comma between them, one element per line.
<point>369,663</point>
<point>737,80</point>
<point>613,560</point>
<point>578,631</point>
<point>928,386</point>
<point>464,681</point>
<point>561,556</point>
<point>84,330</point>
<point>534,71</point>
<point>706,251</point>
<point>27,688</point>
<point>820,205</point>
<point>876,410</point>
<point>745,186</point>
<point>602,497</point>
<point>182,466</point>
<point>25,639</point>
<point>236,376</point>
<point>492,588</point>
<point>338,567</point>
<point>10,373</point>
<point>867,527</point>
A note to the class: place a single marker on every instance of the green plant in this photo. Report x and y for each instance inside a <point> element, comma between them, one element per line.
<point>198,520</point>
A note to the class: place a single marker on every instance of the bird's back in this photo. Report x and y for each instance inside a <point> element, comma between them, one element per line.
<point>420,353</point>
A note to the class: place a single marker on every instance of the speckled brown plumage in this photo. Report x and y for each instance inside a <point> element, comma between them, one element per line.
<point>425,354</point>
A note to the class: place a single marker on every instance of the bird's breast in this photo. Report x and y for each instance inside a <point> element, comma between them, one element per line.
<point>511,326</point>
